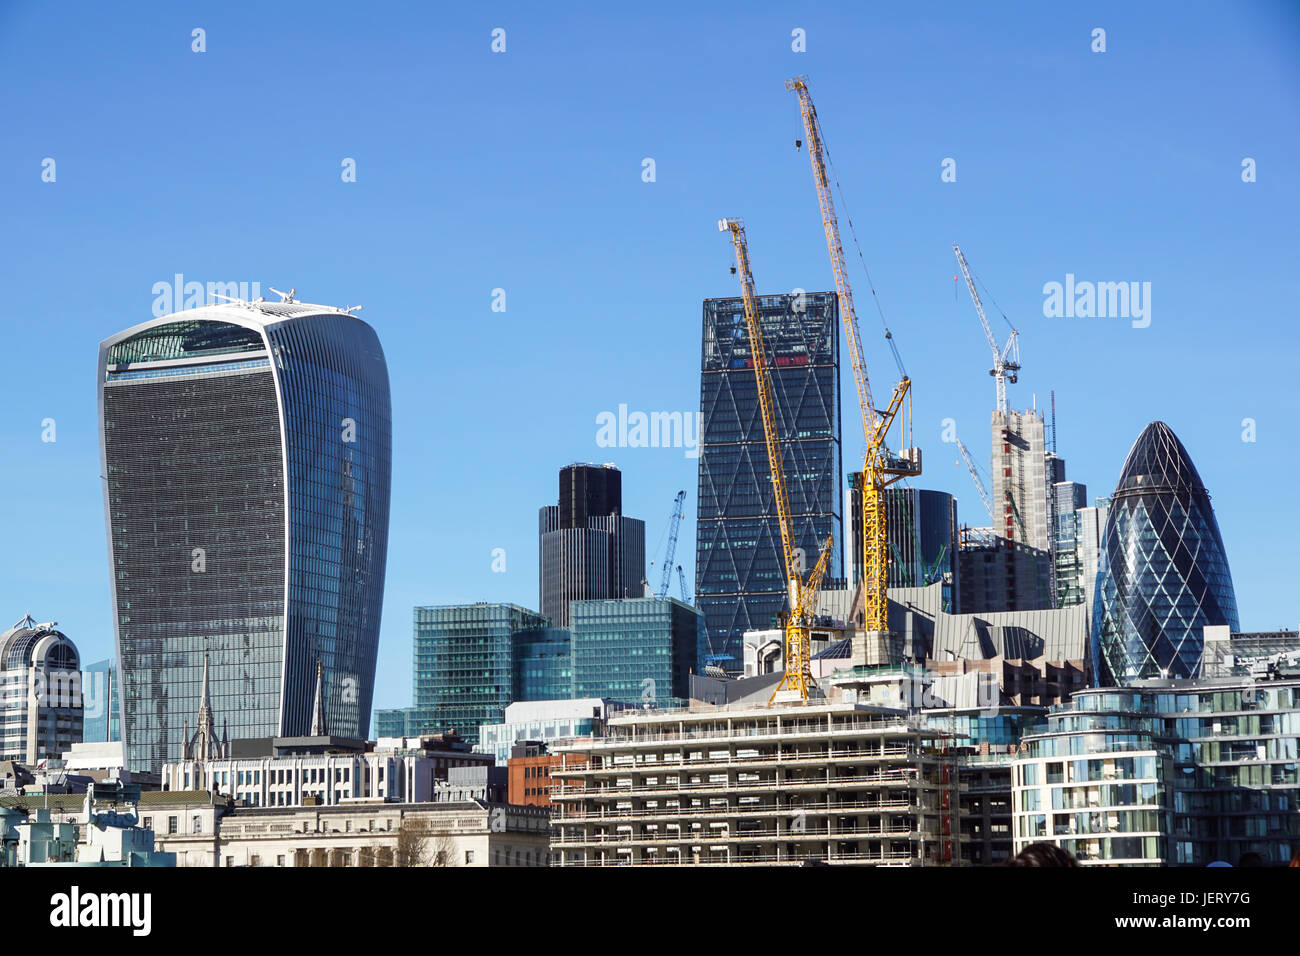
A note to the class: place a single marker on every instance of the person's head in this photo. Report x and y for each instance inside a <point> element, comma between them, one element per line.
<point>1250,858</point>
<point>1042,854</point>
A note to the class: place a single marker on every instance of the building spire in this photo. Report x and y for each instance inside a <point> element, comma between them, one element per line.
<point>204,746</point>
<point>318,707</point>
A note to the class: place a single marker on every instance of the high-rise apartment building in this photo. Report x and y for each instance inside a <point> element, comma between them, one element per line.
<point>245,450</point>
<point>588,548</point>
<point>739,574</point>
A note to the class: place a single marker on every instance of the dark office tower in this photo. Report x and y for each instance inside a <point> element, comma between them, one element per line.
<point>246,456</point>
<point>921,527</point>
<point>739,578</point>
<point>1164,575</point>
<point>589,491</point>
<point>588,549</point>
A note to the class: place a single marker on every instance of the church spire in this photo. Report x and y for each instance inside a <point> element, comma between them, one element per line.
<point>204,746</point>
<point>318,707</point>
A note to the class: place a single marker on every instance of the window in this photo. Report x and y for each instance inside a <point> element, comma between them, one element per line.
<point>147,823</point>
<point>279,860</point>
<point>196,825</point>
<point>173,824</point>
<point>469,856</point>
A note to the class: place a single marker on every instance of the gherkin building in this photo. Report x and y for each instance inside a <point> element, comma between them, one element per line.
<point>1164,574</point>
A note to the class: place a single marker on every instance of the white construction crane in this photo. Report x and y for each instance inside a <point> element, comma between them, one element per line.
<point>975,477</point>
<point>1006,361</point>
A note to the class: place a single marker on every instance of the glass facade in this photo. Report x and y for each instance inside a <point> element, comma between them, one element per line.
<point>542,664</point>
<point>739,576</point>
<point>465,665</point>
<point>1164,573</point>
<point>1218,762</point>
<point>246,495</point>
<point>639,651</point>
<point>100,702</point>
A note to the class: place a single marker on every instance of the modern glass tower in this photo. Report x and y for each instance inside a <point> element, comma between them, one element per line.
<point>739,578</point>
<point>1164,574</point>
<point>472,660</point>
<point>245,452</point>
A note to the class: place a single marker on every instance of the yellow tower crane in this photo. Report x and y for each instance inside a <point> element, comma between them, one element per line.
<point>880,468</point>
<point>802,594</point>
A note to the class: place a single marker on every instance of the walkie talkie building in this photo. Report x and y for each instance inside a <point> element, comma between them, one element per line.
<point>245,453</point>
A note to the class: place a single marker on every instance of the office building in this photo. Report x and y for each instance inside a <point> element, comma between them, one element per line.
<point>831,782</point>
<point>1077,553</point>
<point>921,528</point>
<point>99,693</point>
<point>544,722</point>
<point>638,651</point>
<point>246,454</point>
<point>40,692</point>
<point>466,664</point>
<point>739,573</point>
<point>588,548</point>
<point>1164,575</point>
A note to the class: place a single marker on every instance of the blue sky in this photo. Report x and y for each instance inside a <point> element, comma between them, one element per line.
<point>522,171</point>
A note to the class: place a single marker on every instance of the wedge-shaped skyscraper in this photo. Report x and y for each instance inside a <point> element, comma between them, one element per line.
<point>1165,574</point>
<point>246,465</point>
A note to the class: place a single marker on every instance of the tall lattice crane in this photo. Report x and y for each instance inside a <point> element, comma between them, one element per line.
<point>802,594</point>
<point>880,468</point>
<point>975,477</point>
<point>674,526</point>
<point>1006,361</point>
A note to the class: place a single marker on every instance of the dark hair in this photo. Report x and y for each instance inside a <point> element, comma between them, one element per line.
<point>1042,854</point>
<point>1250,858</point>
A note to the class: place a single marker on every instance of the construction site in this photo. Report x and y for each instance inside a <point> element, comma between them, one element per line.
<point>839,733</point>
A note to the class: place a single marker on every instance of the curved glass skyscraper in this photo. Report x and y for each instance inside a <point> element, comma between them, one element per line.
<point>246,459</point>
<point>1164,573</point>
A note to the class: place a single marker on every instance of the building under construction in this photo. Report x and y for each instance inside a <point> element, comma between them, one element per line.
<point>824,782</point>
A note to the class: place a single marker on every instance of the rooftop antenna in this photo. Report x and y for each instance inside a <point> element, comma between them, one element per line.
<point>350,309</point>
<point>285,297</point>
<point>244,302</point>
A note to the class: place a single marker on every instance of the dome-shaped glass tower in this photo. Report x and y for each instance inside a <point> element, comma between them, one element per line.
<point>1164,573</point>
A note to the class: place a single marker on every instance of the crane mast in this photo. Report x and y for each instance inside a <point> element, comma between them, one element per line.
<point>802,596</point>
<point>674,526</point>
<point>975,477</point>
<point>1006,361</point>
<point>879,468</point>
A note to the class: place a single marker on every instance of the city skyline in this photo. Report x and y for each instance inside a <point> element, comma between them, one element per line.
<point>1169,110</point>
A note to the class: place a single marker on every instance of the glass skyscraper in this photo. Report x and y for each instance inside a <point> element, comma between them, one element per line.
<point>466,666</point>
<point>1164,573</point>
<point>245,451</point>
<point>638,651</point>
<point>739,576</point>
